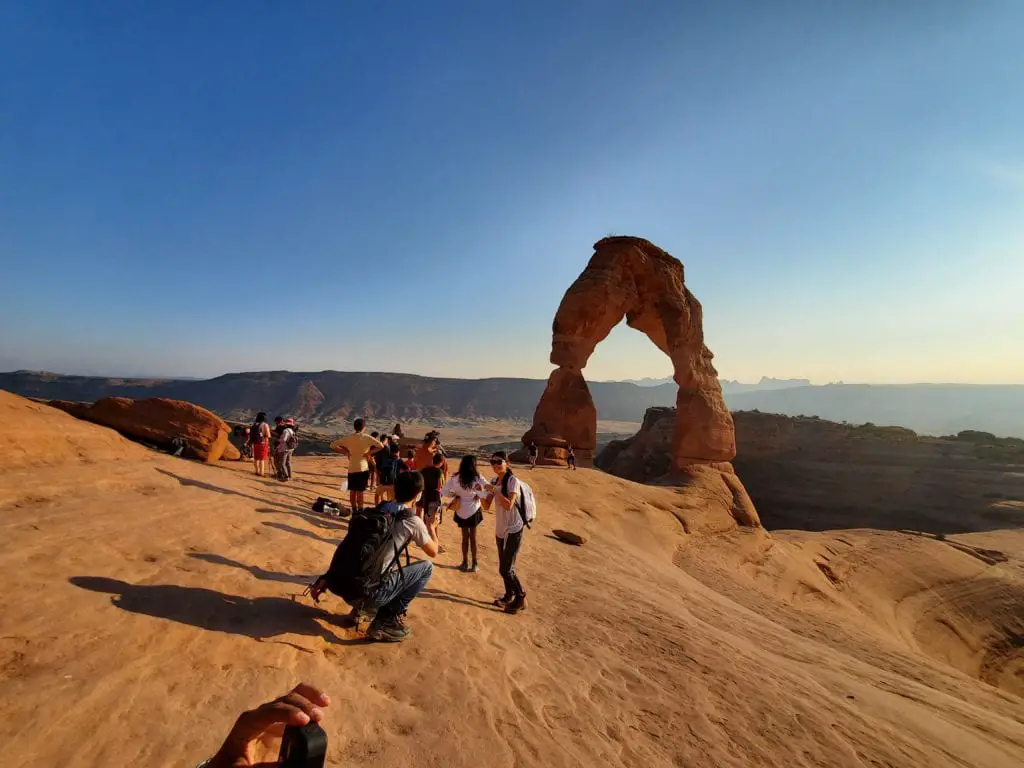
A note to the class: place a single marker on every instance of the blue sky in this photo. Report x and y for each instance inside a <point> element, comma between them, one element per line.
<point>195,188</point>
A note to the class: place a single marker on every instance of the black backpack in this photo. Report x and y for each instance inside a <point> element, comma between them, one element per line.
<point>325,506</point>
<point>256,436</point>
<point>357,567</point>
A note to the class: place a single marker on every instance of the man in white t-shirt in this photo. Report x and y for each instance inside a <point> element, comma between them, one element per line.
<point>401,585</point>
<point>508,528</point>
<point>359,446</point>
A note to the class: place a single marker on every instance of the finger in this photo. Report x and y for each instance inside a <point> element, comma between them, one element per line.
<point>291,709</point>
<point>317,695</point>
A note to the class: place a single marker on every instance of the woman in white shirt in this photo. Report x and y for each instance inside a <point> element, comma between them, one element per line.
<point>468,487</point>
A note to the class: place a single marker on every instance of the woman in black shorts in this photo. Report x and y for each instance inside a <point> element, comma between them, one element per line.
<point>468,488</point>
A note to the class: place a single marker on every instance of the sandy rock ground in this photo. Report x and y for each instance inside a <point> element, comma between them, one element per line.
<point>149,600</point>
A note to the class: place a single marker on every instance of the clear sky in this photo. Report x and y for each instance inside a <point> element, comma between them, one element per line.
<point>196,188</point>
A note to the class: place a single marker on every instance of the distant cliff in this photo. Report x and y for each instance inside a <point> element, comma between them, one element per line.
<point>328,397</point>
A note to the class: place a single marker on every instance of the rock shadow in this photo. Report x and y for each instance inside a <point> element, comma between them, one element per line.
<point>259,573</point>
<point>437,594</point>
<point>193,483</point>
<point>319,521</point>
<point>301,532</point>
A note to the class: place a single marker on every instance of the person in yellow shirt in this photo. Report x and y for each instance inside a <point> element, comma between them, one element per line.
<point>359,447</point>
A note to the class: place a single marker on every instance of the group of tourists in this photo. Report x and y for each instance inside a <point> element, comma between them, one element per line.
<point>532,451</point>
<point>367,570</point>
<point>275,445</point>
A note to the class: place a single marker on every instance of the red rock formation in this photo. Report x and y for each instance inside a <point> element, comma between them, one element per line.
<point>158,420</point>
<point>647,456</point>
<point>632,278</point>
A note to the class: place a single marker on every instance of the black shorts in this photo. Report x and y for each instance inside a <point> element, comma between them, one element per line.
<point>470,522</point>
<point>357,481</point>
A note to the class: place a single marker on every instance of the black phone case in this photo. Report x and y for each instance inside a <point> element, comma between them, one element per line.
<point>303,746</point>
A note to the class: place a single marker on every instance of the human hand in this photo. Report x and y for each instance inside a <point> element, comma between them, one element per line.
<point>256,735</point>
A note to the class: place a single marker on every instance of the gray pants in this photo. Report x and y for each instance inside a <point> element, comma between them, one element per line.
<point>283,464</point>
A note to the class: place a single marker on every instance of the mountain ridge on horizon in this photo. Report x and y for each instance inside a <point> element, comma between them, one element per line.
<point>332,397</point>
<point>765,382</point>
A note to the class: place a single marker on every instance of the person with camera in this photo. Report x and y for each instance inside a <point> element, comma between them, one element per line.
<point>366,570</point>
<point>255,738</point>
<point>509,525</point>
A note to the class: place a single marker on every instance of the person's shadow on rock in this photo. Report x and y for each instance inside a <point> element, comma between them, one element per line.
<point>255,617</point>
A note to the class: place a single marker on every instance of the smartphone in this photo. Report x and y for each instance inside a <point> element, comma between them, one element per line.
<point>303,746</point>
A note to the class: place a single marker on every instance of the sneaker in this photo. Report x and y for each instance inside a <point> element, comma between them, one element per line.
<point>464,567</point>
<point>475,568</point>
<point>503,601</point>
<point>516,605</point>
<point>393,631</point>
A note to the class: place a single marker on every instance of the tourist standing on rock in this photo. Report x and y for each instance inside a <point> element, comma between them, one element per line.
<point>429,506</point>
<point>371,460</point>
<point>571,458</point>
<point>359,446</point>
<point>533,454</point>
<point>508,530</point>
<point>389,467</point>
<point>259,439</point>
<point>467,488</point>
<point>275,438</point>
<point>285,446</point>
<point>424,456</point>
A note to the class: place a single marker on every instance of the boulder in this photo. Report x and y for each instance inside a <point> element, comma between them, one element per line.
<point>631,278</point>
<point>231,453</point>
<point>159,420</point>
<point>568,537</point>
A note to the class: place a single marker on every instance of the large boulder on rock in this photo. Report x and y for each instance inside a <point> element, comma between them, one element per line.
<point>631,278</point>
<point>647,458</point>
<point>231,453</point>
<point>158,421</point>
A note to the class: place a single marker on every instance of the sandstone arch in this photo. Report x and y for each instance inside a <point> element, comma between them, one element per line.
<point>631,278</point>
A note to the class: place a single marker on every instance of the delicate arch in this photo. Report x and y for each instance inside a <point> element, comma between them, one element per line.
<point>631,277</point>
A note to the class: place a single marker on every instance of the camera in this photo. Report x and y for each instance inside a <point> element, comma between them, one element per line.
<point>303,746</point>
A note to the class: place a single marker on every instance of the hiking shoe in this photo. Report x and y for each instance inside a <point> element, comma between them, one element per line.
<point>503,601</point>
<point>464,567</point>
<point>518,604</point>
<point>474,568</point>
<point>393,631</point>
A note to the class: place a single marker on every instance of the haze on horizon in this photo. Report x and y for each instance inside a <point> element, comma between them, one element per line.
<point>307,187</point>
